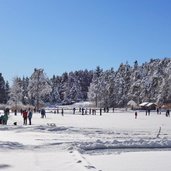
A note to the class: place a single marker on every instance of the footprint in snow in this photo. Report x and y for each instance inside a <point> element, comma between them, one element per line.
<point>90,167</point>
<point>79,161</point>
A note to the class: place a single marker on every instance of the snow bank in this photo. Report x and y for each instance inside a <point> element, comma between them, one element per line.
<point>126,144</point>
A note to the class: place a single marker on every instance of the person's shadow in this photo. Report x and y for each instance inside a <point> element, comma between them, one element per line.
<point>4,166</point>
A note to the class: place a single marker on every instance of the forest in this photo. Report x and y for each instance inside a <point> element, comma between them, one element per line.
<point>150,82</point>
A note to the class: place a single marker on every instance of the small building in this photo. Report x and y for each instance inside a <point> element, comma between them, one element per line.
<point>132,104</point>
<point>148,105</point>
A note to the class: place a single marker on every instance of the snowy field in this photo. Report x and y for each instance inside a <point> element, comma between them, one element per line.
<point>111,142</point>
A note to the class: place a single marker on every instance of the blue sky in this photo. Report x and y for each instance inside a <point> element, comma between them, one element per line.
<point>68,35</point>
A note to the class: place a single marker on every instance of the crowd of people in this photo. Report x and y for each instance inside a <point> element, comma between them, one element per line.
<point>158,110</point>
<point>28,114</point>
<point>82,111</point>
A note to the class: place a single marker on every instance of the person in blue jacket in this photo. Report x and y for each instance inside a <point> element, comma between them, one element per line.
<point>30,114</point>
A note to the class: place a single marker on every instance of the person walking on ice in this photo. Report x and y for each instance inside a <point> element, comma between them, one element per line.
<point>43,113</point>
<point>136,114</point>
<point>74,109</point>
<point>62,112</point>
<point>25,117</point>
<point>30,114</point>
<point>100,111</point>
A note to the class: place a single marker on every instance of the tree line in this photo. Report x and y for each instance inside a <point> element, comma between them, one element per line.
<point>150,82</point>
<point>38,89</point>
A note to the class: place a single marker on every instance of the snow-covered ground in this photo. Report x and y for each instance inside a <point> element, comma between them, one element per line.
<point>75,142</point>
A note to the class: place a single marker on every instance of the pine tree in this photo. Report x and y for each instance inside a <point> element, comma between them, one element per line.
<point>7,91</point>
<point>2,90</point>
<point>94,89</point>
<point>55,94</point>
<point>25,83</point>
<point>85,78</point>
<point>73,89</point>
<point>16,93</point>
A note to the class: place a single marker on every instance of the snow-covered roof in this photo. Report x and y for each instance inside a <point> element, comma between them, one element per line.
<point>131,103</point>
<point>147,104</point>
<point>143,104</point>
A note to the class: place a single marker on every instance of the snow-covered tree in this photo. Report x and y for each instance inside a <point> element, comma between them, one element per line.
<point>25,83</point>
<point>111,88</point>
<point>7,91</point>
<point>72,89</point>
<point>84,79</point>
<point>104,85</point>
<point>2,90</point>
<point>55,94</point>
<point>16,93</point>
<point>94,89</point>
<point>39,87</point>
<point>147,82</point>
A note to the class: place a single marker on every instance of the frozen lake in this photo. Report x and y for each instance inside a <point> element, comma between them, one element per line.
<point>113,141</point>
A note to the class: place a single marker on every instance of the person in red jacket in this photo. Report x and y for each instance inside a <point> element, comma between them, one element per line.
<point>25,117</point>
